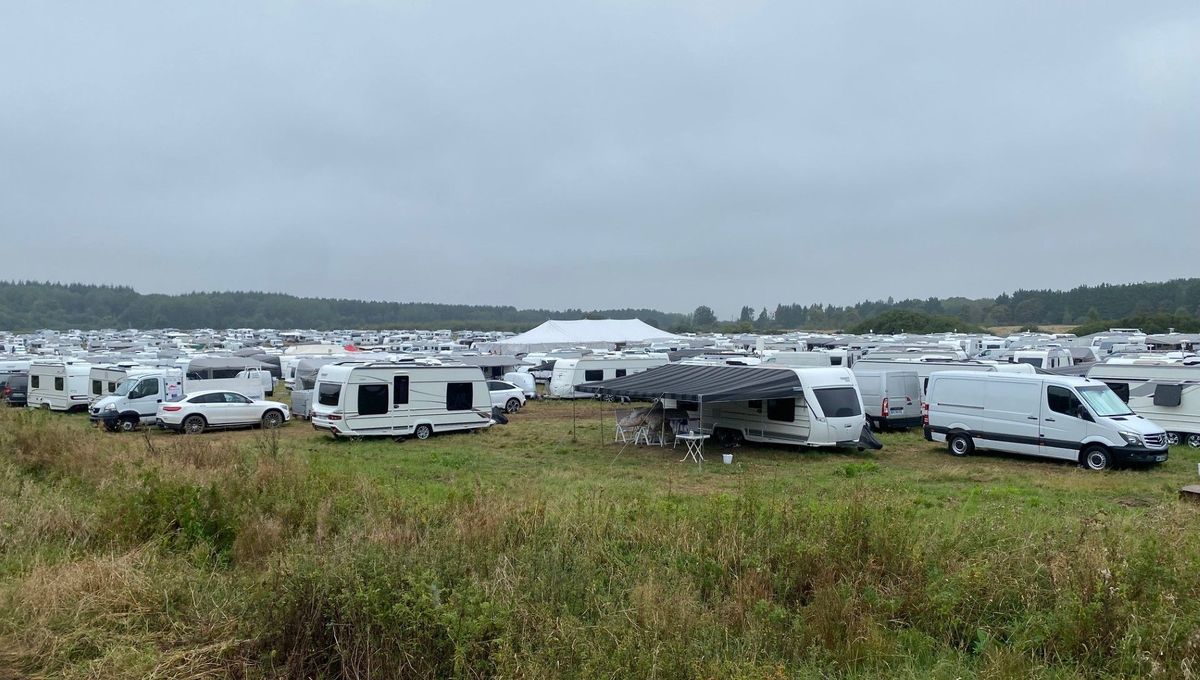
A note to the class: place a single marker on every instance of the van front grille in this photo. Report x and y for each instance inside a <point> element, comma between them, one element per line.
<point>1155,440</point>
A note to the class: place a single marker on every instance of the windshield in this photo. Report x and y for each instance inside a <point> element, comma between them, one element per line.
<point>1104,401</point>
<point>124,386</point>
<point>838,402</point>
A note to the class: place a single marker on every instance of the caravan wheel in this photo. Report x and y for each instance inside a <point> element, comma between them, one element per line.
<point>423,431</point>
<point>1193,441</point>
<point>1173,439</point>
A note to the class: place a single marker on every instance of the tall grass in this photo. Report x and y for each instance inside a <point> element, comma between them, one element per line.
<point>216,557</point>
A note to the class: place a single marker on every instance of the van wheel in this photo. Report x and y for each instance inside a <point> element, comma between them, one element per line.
<point>272,419</point>
<point>194,424</point>
<point>1173,439</point>
<point>127,424</point>
<point>513,405</point>
<point>1095,458</point>
<point>1193,441</point>
<point>960,445</point>
<point>423,432</point>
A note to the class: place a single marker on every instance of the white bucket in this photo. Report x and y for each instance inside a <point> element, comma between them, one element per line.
<point>727,458</point>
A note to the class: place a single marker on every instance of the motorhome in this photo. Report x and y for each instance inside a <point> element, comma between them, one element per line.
<point>58,385</point>
<point>928,367</point>
<point>1163,391</point>
<point>390,399</point>
<point>891,399</point>
<point>1063,417</point>
<point>571,372</point>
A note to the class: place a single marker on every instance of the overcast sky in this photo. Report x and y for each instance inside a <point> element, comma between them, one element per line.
<point>604,154</point>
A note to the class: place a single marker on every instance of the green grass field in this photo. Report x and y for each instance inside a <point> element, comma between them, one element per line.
<point>525,551</point>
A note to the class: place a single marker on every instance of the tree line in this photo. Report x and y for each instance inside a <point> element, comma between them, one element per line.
<point>29,305</point>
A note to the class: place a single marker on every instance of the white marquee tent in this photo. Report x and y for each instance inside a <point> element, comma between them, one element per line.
<point>590,333</point>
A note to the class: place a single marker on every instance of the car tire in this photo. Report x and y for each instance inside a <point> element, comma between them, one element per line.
<point>194,424</point>
<point>272,419</point>
<point>423,432</point>
<point>127,424</point>
<point>1174,439</point>
<point>1095,458</point>
<point>960,445</point>
<point>512,406</point>
<point>1193,440</point>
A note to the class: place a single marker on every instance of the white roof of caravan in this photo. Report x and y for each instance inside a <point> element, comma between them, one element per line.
<point>590,333</point>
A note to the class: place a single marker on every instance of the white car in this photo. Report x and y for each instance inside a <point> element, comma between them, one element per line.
<point>506,395</point>
<point>217,409</point>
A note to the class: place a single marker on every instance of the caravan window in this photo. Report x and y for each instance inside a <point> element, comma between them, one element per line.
<point>329,394</point>
<point>593,375</point>
<point>96,385</point>
<point>620,373</point>
<point>838,402</point>
<point>782,410</point>
<point>1168,395</point>
<point>755,404</point>
<point>58,384</point>
<point>112,386</point>
<point>458,396</point>
<point>372,400</point>
<point>400,390</point>
<point>35,381</point>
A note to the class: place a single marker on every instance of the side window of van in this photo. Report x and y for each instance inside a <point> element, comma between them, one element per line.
<point>1061,400</point>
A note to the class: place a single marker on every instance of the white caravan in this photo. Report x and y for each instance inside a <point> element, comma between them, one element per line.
<point>826,411</point>
<point>1166,392</point>
<point>1054,416</point>
<point>571,372</point>
<point>58,385</point>
<point>926,368</point>
<point>387,399</point>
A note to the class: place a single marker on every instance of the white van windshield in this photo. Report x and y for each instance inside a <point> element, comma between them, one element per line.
<point>1104,401</point>
<point>124,386</point>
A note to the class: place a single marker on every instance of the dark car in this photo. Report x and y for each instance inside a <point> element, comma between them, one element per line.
<point>14,390</point>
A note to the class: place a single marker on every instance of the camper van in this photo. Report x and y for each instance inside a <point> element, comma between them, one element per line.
<point>58,385</point>
<point>388,399</point>
<point>1067,418</point>
<point>571,372</point>
<point>891,399</point>
<point>1166,392</point>
<point>926,368</point>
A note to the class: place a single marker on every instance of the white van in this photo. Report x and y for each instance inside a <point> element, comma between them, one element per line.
<point>58,385</point>
<point>571,372</point>
<point>1062,417</point>
<point>891,399</point>
<point>1166,392</point>
<point>387,399</point>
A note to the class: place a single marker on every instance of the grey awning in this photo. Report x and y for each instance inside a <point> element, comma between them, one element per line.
<point>702,383</point>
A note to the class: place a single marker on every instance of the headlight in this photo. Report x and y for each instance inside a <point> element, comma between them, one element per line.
<point>1132,439</point>
<point>110,407</point>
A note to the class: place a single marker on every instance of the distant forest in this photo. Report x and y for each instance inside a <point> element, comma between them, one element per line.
<point>26,306</point>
